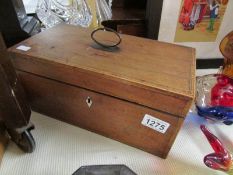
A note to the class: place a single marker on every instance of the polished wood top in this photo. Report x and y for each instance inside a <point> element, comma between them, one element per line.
<point>146,62</point>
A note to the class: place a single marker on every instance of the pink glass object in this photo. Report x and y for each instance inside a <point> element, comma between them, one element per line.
<point>221,159</point>
<point>214,98</point>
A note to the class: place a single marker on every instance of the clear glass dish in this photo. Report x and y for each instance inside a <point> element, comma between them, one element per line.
<point>214,97</point>
<point>53,12</point>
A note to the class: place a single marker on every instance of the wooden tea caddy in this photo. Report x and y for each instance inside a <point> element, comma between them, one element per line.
<point>109,92</point>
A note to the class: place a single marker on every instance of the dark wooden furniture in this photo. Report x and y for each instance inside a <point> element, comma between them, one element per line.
<point>138,18</point>
<point>68,77</point>
<point>15,24</point>
<point>3,135</point>
<point>15,111</point>
<point>2,43</point>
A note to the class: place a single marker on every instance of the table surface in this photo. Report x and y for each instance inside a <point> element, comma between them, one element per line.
<point>62,148</point>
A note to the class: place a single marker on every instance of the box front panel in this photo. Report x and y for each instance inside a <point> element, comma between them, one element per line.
<point>175,104</point>
<point>127,122</point>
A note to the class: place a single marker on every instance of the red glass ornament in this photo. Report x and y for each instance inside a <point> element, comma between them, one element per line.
<point>221,159</point>
<point>222,92</point>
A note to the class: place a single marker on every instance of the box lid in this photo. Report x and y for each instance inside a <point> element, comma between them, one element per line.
<point>158,70</point>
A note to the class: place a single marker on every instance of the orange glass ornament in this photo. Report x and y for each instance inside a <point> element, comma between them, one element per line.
<point>226,48</point>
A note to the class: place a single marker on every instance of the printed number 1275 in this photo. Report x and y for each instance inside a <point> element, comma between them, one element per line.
<point>155,123</point>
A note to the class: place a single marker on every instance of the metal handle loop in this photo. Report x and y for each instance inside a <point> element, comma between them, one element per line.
<point>102,44</point>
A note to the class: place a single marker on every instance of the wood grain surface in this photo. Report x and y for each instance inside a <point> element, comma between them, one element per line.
<point>138,60</point>
<point>148,72</point>
<point>108,116</point>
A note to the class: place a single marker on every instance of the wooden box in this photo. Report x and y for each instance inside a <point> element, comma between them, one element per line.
<point>138,94</point>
